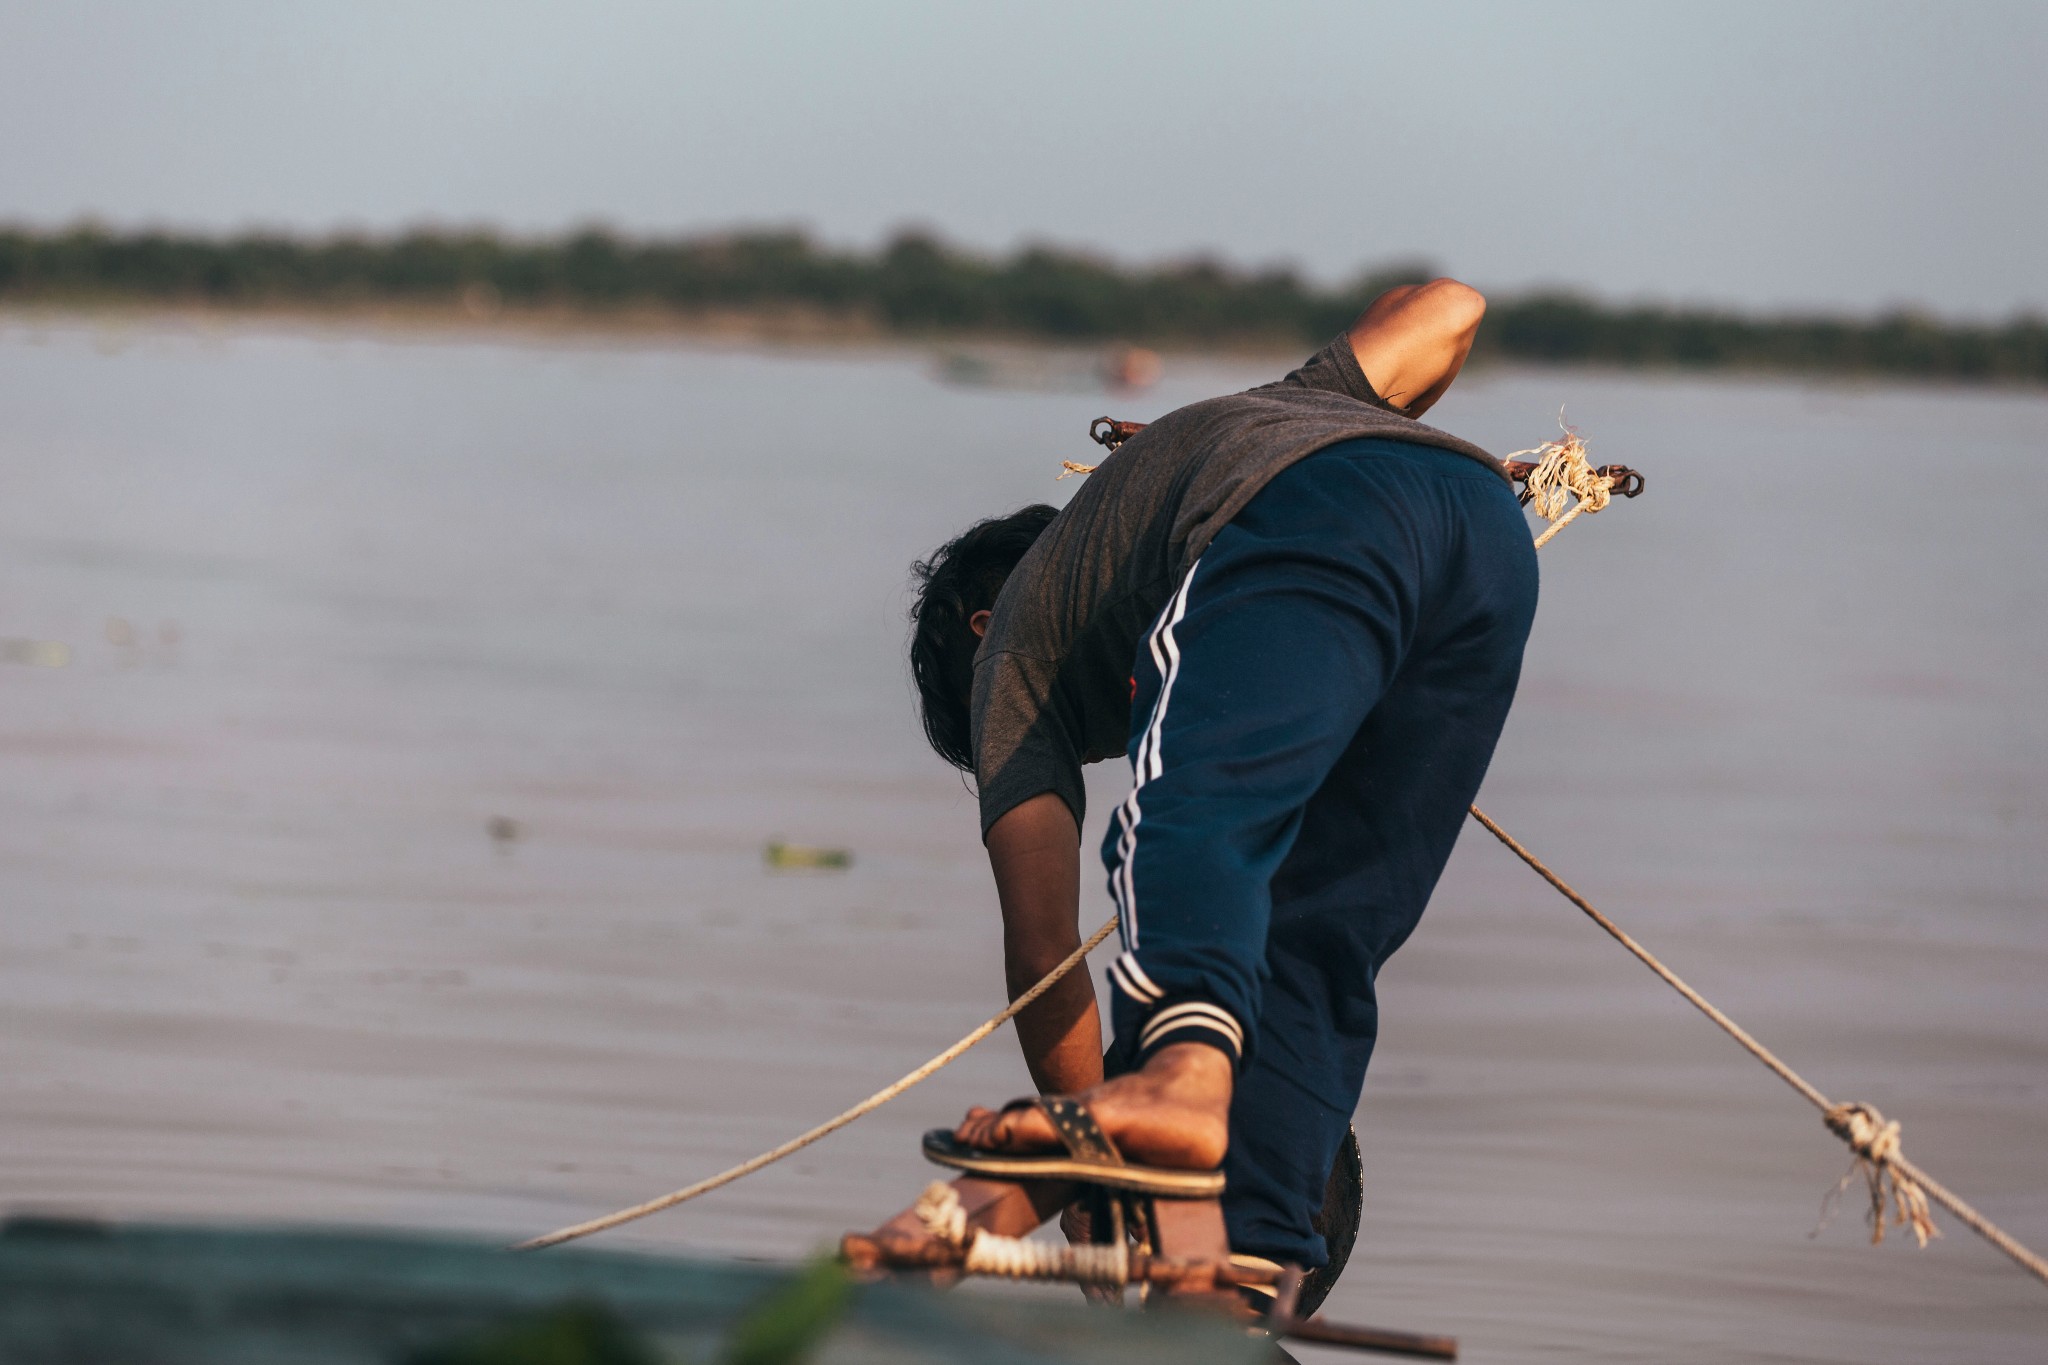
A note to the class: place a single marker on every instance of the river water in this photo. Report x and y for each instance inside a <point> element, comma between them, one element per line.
<point>329,604</point>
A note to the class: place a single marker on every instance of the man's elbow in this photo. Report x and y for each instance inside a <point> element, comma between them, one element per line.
<point>1026,964</point>
<point>1452,304</point>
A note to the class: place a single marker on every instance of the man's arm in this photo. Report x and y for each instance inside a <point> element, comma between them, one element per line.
<point>1035,852</point>
<point>1412,340</point>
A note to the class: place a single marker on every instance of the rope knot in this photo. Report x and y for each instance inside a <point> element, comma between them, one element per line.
<point>985,1253</point>
<point>1869,1134</point>
<point>1564,479</point>
<point>1875,1141</point>
<point>939,1209</point>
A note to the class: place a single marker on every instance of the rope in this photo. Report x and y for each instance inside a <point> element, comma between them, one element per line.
<point>940,1210</point>
<point>832,1125</point>
<point>1014,1258</point>
<point>1561,470</point>
<point>1874,1141</point>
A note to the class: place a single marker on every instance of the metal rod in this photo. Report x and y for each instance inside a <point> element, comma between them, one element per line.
<point>1381,1339</point>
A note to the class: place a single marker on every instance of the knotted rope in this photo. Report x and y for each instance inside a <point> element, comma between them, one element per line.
<point>940,1210</point>
<point>1107,1265</point>
<point>1562,473</point>
<point>1874,1141</point>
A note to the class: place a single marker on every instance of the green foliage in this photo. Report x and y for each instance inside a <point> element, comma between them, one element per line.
<point>573,1334</point>
<point>1567,329</point>
<point>785,1327</point>
<point>919,285</point>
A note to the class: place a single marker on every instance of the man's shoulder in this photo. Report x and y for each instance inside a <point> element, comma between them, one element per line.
<point>1258,423</point>
<point>1211,426</point>
<point>1278,396</point>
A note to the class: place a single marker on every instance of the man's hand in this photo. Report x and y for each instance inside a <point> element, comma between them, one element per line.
<point>1035,852</point>
<point>1412,340</point>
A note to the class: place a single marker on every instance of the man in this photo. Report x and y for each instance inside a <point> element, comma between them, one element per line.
<point>1301,614</point>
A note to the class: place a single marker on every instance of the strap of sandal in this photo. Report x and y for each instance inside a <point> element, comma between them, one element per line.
<point>1078,1129</point>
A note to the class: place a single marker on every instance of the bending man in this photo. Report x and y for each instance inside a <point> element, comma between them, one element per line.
<point>1300,613</point>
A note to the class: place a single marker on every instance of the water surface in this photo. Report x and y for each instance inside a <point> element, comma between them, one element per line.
<point>333,603</point>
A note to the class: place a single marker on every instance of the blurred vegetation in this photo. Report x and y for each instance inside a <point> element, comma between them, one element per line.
<point>787,1327</point>
<point>571,1334</point>
<point>919,285</point>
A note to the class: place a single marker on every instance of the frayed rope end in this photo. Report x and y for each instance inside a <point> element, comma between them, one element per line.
<point>1895,1197</point>
<point>1563,478</point>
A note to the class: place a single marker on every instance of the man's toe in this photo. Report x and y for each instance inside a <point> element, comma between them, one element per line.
<point>1020,1130</point>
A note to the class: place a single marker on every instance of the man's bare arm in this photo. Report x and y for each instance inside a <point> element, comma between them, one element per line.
<point>1035,852</point>
<point>1412,340</point>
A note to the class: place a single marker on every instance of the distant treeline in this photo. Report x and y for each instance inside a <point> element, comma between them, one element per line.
<point>919,285</point>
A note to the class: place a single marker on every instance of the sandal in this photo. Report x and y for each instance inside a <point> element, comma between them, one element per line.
<point>1090,1157</point>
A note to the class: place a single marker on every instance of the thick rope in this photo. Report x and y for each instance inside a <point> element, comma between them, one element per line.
<point>943,1215</point>
<point>1015,1258</point>
<point>1874,1141</point>
<point>1562,471</point>
<point>832,1125</point>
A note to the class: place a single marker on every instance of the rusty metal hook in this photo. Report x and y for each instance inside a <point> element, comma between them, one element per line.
<point>1622,481</point>
<point>1109,433</point>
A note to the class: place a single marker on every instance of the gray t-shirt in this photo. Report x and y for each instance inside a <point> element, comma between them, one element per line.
<point>1052,684</point>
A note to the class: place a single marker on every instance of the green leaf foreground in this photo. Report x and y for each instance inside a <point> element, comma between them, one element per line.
<point>786,1326</point>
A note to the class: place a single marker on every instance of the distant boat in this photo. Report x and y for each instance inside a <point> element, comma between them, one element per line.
<point>1131,368</point>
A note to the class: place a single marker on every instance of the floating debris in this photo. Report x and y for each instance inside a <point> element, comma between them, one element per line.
<point>35,653</point>
<point>782,857</point>
<point>959,367</point>
<point>504,831</point>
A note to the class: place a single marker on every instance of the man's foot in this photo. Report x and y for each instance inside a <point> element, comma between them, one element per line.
<point>1174,1113</point>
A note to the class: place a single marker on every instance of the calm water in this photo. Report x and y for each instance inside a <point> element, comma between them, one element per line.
<point>334,603</point>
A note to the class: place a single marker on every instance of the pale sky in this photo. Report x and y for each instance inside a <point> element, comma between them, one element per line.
<point>1783,154</point>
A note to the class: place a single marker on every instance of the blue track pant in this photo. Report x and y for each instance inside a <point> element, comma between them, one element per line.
<point>1312,713</point>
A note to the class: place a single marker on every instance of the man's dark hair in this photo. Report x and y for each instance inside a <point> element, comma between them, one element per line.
<point>961,578</point>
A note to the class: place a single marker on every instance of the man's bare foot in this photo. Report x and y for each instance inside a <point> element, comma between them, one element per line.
<point>1174,1113</point>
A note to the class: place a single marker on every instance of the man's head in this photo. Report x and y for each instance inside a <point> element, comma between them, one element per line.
<point>956,588</point>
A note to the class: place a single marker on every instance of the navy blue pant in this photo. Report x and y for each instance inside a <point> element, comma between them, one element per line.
<point>1313,711</point>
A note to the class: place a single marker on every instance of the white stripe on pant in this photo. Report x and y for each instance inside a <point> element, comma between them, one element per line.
<point>1147,763</point>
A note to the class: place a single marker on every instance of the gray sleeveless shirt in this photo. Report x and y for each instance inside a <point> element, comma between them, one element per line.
<point>1052,677</point>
